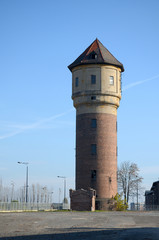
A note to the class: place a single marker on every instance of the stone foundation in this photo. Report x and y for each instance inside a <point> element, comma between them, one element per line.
<point>105,204</point>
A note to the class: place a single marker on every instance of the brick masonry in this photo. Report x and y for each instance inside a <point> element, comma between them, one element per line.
<point>104,162</point>
<point>83,200</point>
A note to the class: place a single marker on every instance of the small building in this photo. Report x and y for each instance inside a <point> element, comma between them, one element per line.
<point>152,197</point>
<point>83,200</point>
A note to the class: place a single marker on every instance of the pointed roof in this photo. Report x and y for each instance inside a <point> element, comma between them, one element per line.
<point>96,53</point>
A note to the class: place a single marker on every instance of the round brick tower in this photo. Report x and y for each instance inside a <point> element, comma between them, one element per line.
<point>96,92</point>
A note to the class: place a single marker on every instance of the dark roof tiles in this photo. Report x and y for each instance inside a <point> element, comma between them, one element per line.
<point>96,53</point>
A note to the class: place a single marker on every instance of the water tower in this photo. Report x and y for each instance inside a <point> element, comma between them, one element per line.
<point>96,93</point>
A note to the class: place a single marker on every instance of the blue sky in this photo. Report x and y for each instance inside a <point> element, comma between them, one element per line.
<point>39,39</point>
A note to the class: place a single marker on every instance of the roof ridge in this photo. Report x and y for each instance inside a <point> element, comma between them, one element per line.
<point>109,52</point>
<point>99,48</point>
<point>91,46</point>
<point>87,50</point>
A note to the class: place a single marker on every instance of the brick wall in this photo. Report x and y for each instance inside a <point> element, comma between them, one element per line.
<point>82,200</point>
<point>105,160</point>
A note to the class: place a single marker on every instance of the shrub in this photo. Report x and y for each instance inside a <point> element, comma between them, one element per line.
<point>120,204</point>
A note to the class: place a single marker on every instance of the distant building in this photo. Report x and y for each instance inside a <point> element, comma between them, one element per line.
<point>96,94</point>
<point>137,207</point>
<point>152,197</point>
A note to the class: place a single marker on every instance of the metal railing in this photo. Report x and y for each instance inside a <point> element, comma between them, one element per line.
<point>143,207</point>
<point>152,207</point>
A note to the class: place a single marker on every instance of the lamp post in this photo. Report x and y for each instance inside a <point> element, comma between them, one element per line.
<point>26,196</point>
<point>64,186</point>
<point>137,192</point>
<point>153,203</point>
<point>45,193</point>
<point>137,196</point>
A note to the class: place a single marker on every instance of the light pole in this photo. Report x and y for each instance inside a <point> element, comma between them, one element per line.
<point>153,203</point>
<point>26,196</point>
<point>64,186</point>
<point>45,193</point>
<point>137,196</point>
<point>137,193</point>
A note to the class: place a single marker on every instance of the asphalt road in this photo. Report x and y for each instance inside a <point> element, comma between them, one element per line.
<point>79,225</point>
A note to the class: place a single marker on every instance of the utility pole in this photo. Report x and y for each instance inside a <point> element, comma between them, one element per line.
<point>137,192</point>
<point>64,186</point>
<point>137,196</point>
<point>26,196</point>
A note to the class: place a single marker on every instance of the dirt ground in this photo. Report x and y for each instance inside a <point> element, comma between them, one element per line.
<point>79,225</point>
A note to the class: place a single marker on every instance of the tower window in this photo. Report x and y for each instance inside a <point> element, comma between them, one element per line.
<point>111,80</point>
<point>93,174</point>
<point>93,149</point>
<point>93,97</point>
<point>93,79</point>
<point>93,123</point>
<point>76,82</point>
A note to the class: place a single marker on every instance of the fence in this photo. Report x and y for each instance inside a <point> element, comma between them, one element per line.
<point>16,206</point>
<point>143,207</point>
<point>152,207</point>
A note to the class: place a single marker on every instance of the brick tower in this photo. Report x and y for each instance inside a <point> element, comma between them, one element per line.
<point>96,93</point>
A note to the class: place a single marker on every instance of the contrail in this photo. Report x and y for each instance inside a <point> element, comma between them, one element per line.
<point>39,122</point>
<point>22,128</point>
<point>139,82</point>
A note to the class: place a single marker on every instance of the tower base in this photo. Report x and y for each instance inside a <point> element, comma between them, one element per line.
<point>105,204</point>
<point>85,200</point>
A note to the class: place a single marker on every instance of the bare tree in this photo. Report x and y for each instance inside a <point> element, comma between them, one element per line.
<point>33,193</point>
<point>128,179</point>
<point>12,192</point>
<point>38,193</point>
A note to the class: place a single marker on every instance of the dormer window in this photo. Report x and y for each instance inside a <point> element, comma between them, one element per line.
<point>94,55</point>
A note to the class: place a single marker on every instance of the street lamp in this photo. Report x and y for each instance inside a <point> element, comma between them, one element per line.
<point>45,193</point>
<point>64,186</point>
<point>26,163</point>
<point>137,193</point>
